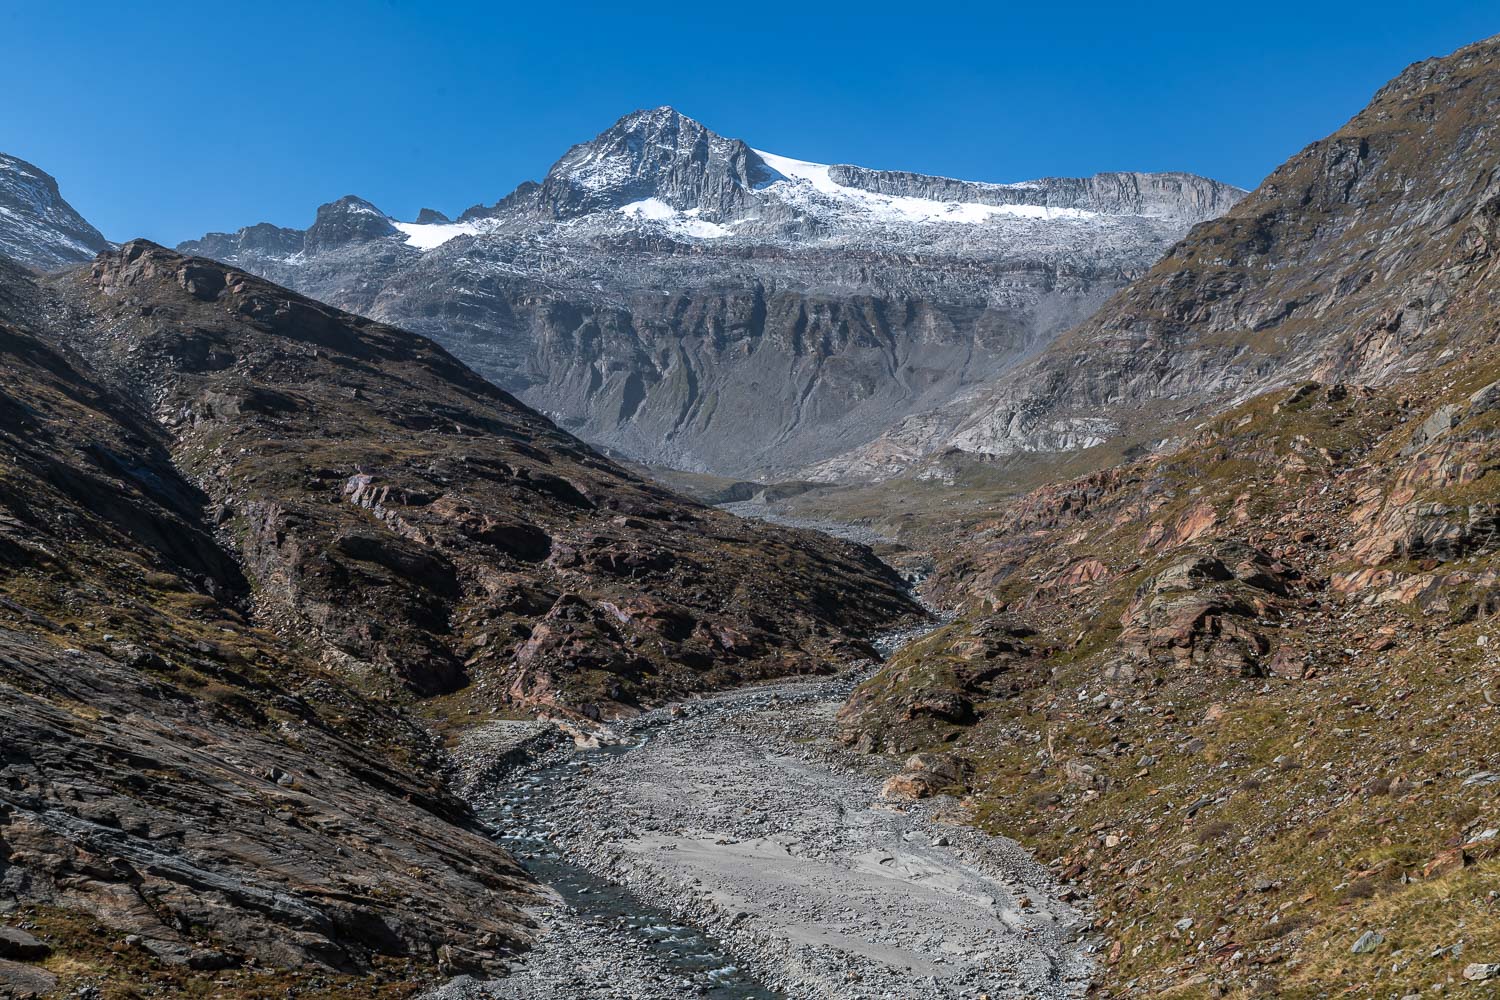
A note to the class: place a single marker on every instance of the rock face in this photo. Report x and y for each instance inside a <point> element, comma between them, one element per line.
<point>37,227</point>
<point>686,300</point>
<point>1368,255</point>
<point>241,533</point>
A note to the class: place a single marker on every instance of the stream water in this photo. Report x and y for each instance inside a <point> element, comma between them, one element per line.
<point>703,964</point>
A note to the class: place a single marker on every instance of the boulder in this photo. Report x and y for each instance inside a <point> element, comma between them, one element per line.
<point>924,775</point>
<point>21,946</point>
<point>1082,775</point>
<point>1482,972</point>
<point>904,787</point>
<point>1442,420</point>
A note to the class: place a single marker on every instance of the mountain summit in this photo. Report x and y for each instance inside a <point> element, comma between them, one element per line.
<point>657,154</point>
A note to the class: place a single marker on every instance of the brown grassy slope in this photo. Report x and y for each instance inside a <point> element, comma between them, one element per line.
<point>1250,684</point>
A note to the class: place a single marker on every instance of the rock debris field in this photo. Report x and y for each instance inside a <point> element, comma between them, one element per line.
<point>764,851</point>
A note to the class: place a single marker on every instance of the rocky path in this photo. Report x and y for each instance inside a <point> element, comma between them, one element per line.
<point>757,859</point>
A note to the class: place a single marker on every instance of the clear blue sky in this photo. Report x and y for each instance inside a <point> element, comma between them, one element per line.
<point>167,119</point>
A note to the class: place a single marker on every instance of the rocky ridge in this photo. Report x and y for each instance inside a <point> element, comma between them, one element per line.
<point>37,227</point>
<point>686,300</point>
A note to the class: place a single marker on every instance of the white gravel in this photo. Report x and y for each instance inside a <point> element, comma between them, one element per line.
<point>739,815</point>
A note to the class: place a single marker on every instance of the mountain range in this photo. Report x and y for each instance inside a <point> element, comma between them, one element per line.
<point>685,300</point>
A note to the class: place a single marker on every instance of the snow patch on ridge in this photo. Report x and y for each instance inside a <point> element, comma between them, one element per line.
<point>430,236</point>
<point>897,208</point>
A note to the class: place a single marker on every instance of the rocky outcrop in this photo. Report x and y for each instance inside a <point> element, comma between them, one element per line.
<point>685,300</point>
<point>940,683</point>
<point>1199,612</point>
<point>37,227</point>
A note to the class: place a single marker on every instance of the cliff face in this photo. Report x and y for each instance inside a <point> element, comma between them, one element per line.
<point>1369,254</point>
<point>686,300</point>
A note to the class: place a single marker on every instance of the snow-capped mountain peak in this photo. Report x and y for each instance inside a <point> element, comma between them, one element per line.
<point>349,220</point>
<point>656,154</point>
<point>689,300</point>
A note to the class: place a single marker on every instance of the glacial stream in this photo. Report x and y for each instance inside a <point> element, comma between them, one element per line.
<point>704,966</point>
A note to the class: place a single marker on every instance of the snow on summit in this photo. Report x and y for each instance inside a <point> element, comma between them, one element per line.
<point>661,174</point>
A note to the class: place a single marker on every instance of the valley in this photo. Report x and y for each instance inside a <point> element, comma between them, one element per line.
<point>708,572</point>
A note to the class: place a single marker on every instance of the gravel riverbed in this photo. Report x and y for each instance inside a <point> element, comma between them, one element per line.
<point>744,831</point>
<point>761,511</point>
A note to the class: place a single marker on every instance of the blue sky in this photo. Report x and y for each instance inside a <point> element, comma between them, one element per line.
<point>169,119</point>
